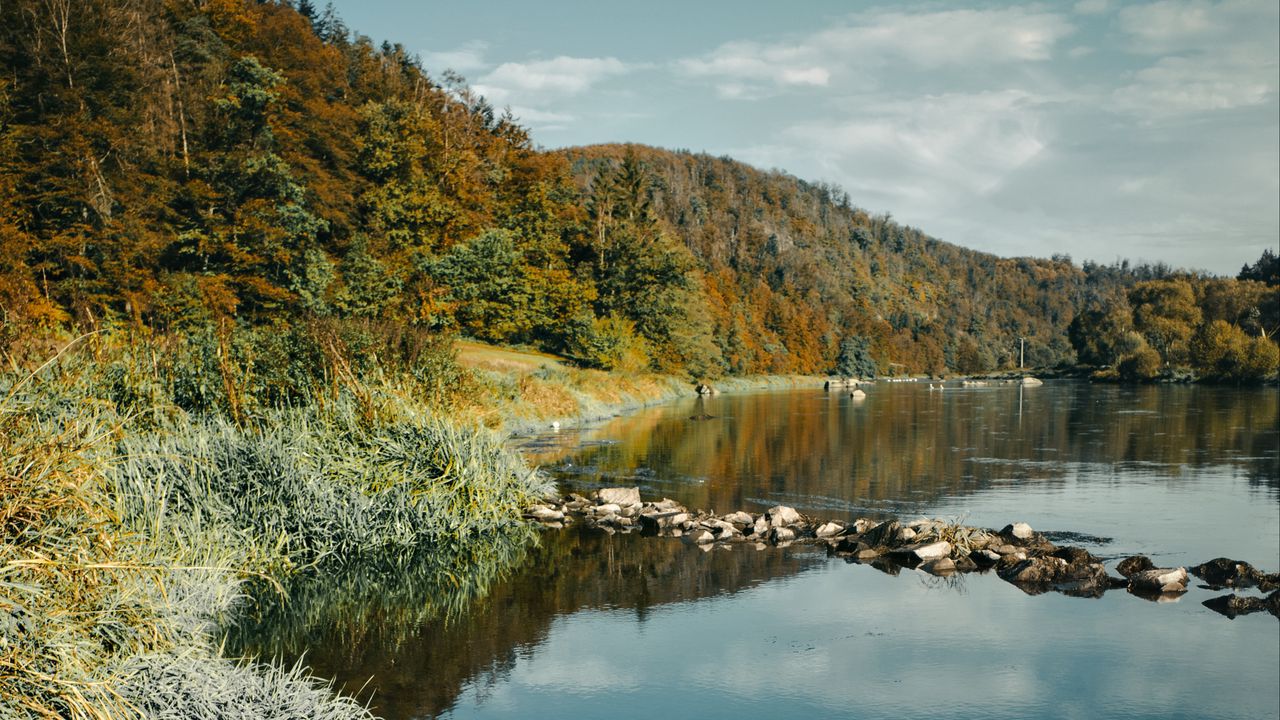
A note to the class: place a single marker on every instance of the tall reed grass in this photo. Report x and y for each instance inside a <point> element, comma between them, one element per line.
<point>144,482</point>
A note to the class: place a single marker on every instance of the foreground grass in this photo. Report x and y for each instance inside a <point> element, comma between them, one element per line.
<point>130,525</point>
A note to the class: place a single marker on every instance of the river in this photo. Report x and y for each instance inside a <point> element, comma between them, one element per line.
<point>576,623</point>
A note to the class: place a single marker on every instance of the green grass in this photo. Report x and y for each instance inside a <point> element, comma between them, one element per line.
<point>133,519</point>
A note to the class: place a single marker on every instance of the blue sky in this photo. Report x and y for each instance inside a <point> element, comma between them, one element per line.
<point>1101,129</point>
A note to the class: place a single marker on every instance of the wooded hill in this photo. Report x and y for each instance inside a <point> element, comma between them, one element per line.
<point>171,165</point>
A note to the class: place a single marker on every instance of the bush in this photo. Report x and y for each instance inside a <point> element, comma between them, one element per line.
<point>1141,365</point>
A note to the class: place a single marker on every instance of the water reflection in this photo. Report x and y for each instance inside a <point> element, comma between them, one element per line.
<point>905,446</point>
<point>408,640</point>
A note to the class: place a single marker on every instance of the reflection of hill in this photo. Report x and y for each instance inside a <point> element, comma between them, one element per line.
<point>905,444</point>
<point>417,647</point>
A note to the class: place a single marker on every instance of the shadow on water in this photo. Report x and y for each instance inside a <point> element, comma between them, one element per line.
<point>905,446</point>
<point>407,636</point>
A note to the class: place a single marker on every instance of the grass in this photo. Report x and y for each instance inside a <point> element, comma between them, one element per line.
<point>131,523</point>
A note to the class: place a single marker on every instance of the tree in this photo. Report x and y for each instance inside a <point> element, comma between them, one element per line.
<point>855,359</point>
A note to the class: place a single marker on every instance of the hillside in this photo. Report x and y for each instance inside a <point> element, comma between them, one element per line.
<point>172,167</point>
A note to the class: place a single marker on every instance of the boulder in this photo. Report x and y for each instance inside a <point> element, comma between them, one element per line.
<point>781,535</point>
<point>1159,580</point>
<point>1133,565</point>
<point>830,530</point>
<point>668,504</point>
<point>1029,381</point>
<point>740,519</point>
<point>622,497</point>
<point>882,534</point>
<point>607,509</point>
<point>1233,605</point>
<point>862,525</point>
<point>1032,571</point>
<point>1223,572</point>
<point>985,558</point>
<point>906,534</point>
<point>724,530</point>
<point>932,551</point>
<point>700,536</point>
<point>542,513</point>
<point>782,516</point>
<point>1018,530</point>
<point>965,563</point>
<point>940,566</point>
<point>1076,556</point>
<point>858,394</point>
<point>761,527</point>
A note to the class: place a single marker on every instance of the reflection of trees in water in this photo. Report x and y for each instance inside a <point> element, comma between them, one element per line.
<point>909,445</point>
<point>422,629</point>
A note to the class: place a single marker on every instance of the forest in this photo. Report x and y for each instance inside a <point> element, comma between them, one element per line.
<point>224,166</point>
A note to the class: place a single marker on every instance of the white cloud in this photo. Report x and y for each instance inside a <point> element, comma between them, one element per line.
<point>541,119</point>
<point>942,146</point>
<point>539,81</point>
<point>1173,26</point>
<point>1176,85</point>
<point>470,56</point>
<point>854,51</point>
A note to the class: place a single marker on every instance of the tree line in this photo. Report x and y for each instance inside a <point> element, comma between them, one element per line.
<point>179,165</point>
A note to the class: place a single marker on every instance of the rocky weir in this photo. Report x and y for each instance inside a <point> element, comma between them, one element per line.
<point>1016,553</point>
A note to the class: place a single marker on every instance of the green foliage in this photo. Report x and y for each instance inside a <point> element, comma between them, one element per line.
<point>608,343</point>
<point>855,359</point>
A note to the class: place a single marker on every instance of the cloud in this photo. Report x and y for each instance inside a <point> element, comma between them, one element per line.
<point>542,119</point>
<point>1091,7</point>
<point>1212,56</point>
<point>942,146</point>
<point>1175,26</point>
<point>470,56</point>
<point>541,81</point>
<point>1176,85</point>
<point>877,40</point>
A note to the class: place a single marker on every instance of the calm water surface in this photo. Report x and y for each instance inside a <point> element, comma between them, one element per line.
<point>583,625</point>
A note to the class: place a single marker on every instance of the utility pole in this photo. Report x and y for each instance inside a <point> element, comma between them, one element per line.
<point>1022,347</point>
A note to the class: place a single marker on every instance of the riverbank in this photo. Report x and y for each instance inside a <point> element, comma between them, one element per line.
<point>149,482</point>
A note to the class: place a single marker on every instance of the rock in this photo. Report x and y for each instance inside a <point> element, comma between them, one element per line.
<point>705,389</point>
<point>1007,549</point>
<point>932,551</point>
<point>829,530</point>
<point>542,513</point>
<point>724,530</point>
<point>866,554</point>
<point>622,497</point>
<point>740,519</point>
<point>881,534</point>
<point>1076,556</point>
<point>862,525</point>
<point>676,519</point>
<point>1019,530</point>
<point>782,534</point>
<point>700,536</point>
<point>1133,565</point>
<point>965,563</point>
<point>1159,580</point>
<point>1029,381</point>
<point>940,566</point>
<point>985,557</point>
<point>1032,571</point>
<point>1223,572</point>
<point>782,516</point>
<point>607,509</point>
<point>858,394</point>
<point>761,527</point>
<point>650,525</point>
<point>668,504</point>
<point>1233,605</point>
<point>906,534</point>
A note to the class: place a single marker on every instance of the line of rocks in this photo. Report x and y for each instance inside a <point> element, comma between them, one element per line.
<point>1017,553</point>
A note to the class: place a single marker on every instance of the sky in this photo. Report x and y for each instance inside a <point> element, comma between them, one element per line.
<point>1099,129</point>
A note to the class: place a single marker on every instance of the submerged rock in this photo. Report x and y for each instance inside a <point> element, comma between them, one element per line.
<point>940,566</point>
